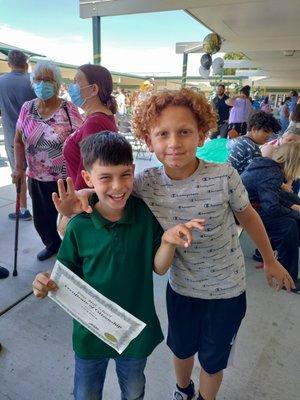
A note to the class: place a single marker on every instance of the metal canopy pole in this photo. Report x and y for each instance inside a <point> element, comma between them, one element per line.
<point>184,69</point>
<point>97,40</point>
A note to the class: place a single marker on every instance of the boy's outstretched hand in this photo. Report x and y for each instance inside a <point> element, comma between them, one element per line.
<point>42,284</point>
<point>181,234</point>
<point>68,201</point>
<point>277,276</point>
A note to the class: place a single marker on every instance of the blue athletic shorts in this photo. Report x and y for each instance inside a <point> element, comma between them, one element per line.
<point>206,327</point>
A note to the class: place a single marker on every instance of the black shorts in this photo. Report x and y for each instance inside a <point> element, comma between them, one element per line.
<point>206,327</point>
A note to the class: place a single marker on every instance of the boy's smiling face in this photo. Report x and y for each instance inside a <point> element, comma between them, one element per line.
<point>113,185</point>
<point>174,138</point>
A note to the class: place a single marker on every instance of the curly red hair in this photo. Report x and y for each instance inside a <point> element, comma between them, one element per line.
<point>146,112</point>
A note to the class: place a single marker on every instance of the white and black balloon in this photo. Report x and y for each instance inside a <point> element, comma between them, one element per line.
<point>217,65</point>
<point>206,61</point>
<point>204,72</point>
<point>211,45</point>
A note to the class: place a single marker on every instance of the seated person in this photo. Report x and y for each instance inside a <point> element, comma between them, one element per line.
<point>261,126</point>
<point>292,134</point>
<point>263,179</point>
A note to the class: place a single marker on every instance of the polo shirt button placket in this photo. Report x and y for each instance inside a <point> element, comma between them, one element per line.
<point>115,235</point>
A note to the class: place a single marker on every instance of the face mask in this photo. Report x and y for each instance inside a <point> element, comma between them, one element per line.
<point>44,90</point>
<point>74,92</point>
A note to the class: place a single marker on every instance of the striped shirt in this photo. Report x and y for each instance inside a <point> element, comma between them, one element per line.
<point>213,266</point>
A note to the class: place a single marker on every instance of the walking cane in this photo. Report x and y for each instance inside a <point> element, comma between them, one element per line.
<point>18,187</point>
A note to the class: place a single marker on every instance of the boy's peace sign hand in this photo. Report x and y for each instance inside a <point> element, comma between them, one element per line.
<point>69,202</point>
<point>181,234</point>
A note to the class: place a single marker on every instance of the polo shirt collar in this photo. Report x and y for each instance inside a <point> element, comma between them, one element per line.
<point>100,222</point>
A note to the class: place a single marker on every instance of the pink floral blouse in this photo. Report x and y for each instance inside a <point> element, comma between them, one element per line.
<point>44,139</point>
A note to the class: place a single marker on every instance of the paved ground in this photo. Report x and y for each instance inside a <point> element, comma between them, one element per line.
<point>37,361</point>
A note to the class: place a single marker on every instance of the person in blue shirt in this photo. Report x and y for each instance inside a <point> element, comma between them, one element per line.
<point>294,99</point>
<point>261,126</point>
<point>15,89</point>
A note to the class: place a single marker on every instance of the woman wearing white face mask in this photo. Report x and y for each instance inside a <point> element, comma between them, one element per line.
<point>44,124</point>
<point>92,91</point>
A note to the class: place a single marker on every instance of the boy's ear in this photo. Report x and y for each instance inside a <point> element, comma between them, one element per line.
<point>201,139</point>
<point>148,142</point>
<point>87,178</point>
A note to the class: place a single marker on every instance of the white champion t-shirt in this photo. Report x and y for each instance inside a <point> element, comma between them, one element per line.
<point>213,266</point>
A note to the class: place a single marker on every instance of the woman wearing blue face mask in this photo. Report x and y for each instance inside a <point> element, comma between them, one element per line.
<point>43,126</point>
<point>91,91</point>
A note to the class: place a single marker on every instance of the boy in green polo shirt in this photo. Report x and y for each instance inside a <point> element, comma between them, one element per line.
<point>114,249</point>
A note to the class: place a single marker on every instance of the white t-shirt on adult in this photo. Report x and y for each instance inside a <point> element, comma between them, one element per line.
<point>121,103</point>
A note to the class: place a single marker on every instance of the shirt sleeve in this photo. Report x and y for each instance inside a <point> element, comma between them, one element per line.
<point>288,198</point>
<point>238,196</point>
<point>272,201</point>
<point>68,253</point>
<point>157,234</point>
<point>237,103</point>
<point>138,184</point>
<point>242,153</point>
<point>237,156</point>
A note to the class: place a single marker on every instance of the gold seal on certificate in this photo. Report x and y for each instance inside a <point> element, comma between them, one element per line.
<point>104,318</point>
<point>110,337</point>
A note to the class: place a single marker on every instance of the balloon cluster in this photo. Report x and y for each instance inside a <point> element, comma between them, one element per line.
<point>147,85</point>
<point>145,89</point>
<point>211,45</point>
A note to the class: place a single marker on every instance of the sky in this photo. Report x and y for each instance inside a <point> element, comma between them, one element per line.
<point>140,43</point>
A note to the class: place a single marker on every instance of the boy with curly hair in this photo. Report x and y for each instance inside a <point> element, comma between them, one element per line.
<point>206,299</point>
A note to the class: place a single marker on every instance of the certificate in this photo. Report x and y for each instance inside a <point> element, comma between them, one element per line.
<point>104,318</point>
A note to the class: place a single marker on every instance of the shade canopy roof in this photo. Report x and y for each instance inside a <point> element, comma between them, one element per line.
<point>6,48</point>
<point>266,31</point>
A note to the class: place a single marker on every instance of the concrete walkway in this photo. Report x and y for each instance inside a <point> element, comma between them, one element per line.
<point>37,360</point>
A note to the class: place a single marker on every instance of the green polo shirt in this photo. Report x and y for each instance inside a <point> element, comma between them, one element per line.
<point>116,258</point>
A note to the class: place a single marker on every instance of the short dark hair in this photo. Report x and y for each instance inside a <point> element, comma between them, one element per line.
<point>221,84</point>
<point>17,58</point>
<point>262,120</point>
<point>108,148</point>
<point>266,100</point>
<point>294,93</point>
